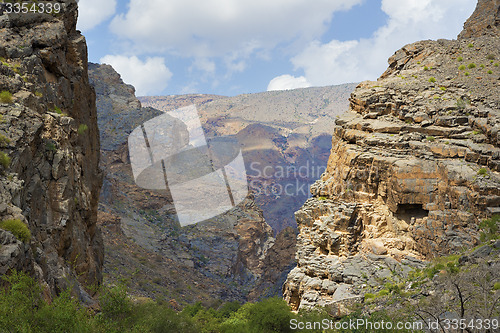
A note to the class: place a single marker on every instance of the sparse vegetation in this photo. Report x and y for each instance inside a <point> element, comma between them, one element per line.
<point>470,45</point>
<point>490,228</point>
<point>482,172</point>
<point>432,79</point>
<point>50,146</point>
<point>6,97</point>
<point>57,110</point>
<point>4,140</point>
<point>471,65</point>
<point>38,94</point>
<point>490,57</point>
<point>442,88</point>
<point>4,160</point>
<point>82,129</point>
<point>17,228</point>
<point>431,138</point>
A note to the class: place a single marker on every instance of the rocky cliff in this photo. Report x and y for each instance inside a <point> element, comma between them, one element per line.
<point>413,169</point>
<point>50,179</point>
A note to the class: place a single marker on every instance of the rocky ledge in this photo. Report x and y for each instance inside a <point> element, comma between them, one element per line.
<point>413,170</point>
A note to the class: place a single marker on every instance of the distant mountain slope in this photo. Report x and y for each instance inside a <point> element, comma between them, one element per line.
<point>285,137</point>
<point>229,257</point>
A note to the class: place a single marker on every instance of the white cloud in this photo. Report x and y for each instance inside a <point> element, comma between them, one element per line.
<point>286,82</point>
<point>93,12</point>
<point>210,28</point>
<point>409,21</point>
<point>149,77</point>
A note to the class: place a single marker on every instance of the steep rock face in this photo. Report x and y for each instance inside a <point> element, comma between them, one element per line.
<point>219,259</point>
<point>484,21</point>
<point>52,183</point>
<point>413,170</point>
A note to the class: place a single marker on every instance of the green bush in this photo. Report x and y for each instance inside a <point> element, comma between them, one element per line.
<point>57,110</point>
<point>460,59</point>
<point>426,68</point>
<point>461,67</point>
<point>471,65</point>
<point>431,138</point>
<point>470,45</point>
<point>496,64</point>
<point>466,73</point>
<point>490,228</point>
<point>22,309</point>
<point>82,129</point>
<point>4,140</point>
<point>17,228</point>
<point>270,315</point>
<point>490,72</point>
<point>482,172</point>
<point>4,160</point>
<point>6,97</point>
<point>490,57</point>
<point>432,79</point>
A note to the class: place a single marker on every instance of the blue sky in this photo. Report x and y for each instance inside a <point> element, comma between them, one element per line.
<point>230,47</point>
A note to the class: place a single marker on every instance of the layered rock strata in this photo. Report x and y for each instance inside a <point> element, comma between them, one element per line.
<point>413,170</point>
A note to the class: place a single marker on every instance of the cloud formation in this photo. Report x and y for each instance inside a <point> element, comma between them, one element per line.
<point>287,82</point>
<point>213,28</point>
<point>339,62</point>
<point>93,12</point>
<point>149,77</point>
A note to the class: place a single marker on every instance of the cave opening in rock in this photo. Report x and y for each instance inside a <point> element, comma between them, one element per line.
<point>407,211</point>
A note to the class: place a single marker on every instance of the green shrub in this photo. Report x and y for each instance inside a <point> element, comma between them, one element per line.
<point>470,45</point>
<point>496,286</point>
<point>496,64</point>
<point>490,228</point>
<point>383,292</point>
<point>6,97</point>
<point>432,79</point>
<point>490,57</point>
<point>57,110</point>
<point>426,68</point>
<point>471,65</point>
<point>490,72</point>
<point>4,160</point>
<point>17,228</point>
<point>466,74</point>
<point>4,140</point>
<point>431,138</point>
<point>270,315</point>
<point>82,129</point>
<point>461,67</point>
<point>482,172</point>
<point>369,296</point>
<point>460,59</point>
<point>482,66</point>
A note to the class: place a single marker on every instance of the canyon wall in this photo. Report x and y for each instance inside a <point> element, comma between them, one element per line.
<point>413,170</point>
<point>51,179</point>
